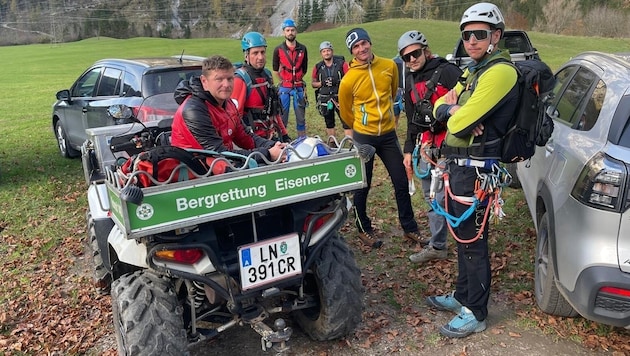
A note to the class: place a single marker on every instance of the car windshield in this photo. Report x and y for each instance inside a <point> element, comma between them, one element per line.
<point>165,82</point>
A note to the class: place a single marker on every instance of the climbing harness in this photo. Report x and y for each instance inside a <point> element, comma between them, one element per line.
<point>422,158</point>
<point>488,188</point>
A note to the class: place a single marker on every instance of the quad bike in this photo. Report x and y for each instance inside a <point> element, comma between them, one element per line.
<point>186,260</point>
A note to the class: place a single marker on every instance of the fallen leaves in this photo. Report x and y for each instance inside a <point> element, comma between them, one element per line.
<point>55,311</point>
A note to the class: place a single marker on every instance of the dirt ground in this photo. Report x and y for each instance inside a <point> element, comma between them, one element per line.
<point>505,335</point>
<point>406,326</point>
<point>412,331</point>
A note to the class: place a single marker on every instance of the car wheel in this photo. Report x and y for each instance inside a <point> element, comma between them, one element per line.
<point>65,149</point>
<point>335,281</point>
<point>548,296</point>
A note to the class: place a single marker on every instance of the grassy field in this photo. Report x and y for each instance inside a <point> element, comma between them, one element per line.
<point>42,195</point>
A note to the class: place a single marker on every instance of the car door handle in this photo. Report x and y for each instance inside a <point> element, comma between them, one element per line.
<point>549,147</point>
<point>84,110</point>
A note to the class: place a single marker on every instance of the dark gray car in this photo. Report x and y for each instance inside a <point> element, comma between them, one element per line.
<point>145,84</point>
<point>577,188</point>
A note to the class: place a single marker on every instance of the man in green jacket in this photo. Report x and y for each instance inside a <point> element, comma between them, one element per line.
<point>478,111</point>
<point>366,98</point>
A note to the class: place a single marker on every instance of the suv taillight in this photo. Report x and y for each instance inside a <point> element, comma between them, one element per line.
<point>602,184</point>
<point>147,113</point>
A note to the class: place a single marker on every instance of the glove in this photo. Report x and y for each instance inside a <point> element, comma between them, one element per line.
<point>286,138</point>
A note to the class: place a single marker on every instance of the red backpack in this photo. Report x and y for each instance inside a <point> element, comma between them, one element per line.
<point>169,164</point>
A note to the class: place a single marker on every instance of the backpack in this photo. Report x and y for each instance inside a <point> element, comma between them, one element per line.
<point>423,108</point>
<point>272,104</point>
<point>167,164</point>
<point>241,71</point>
<point>335,75</point>
<point>530,126</point>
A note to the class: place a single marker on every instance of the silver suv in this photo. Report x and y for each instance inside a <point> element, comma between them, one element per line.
<point>577,188</point>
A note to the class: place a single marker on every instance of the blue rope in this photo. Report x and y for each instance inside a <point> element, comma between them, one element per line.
<point>414,157</point>
<point>452,220</point>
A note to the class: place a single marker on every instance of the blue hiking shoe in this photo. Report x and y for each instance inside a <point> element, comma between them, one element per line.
<point>463,325</point>
<point>445,302</point>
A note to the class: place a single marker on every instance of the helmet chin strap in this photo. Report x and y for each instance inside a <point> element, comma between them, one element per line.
<point>490,48</point>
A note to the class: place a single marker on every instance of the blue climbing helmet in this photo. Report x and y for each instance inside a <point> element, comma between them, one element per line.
<point>288,23</point>
<point>253,39</point>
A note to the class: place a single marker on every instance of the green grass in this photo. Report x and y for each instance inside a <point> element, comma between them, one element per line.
<point>42,195</point>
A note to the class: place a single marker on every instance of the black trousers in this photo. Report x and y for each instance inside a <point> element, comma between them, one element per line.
<point>472,288</point>
<point>388,149</point>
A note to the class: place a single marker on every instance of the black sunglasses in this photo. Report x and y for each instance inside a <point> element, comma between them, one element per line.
<point>480,35</point>
<point>415,53</point>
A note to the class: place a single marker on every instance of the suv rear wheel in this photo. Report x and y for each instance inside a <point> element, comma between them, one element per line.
<point>548,296</point>
<point>65,149</point>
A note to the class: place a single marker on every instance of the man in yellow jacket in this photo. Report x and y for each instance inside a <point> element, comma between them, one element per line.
<point>366,98</point>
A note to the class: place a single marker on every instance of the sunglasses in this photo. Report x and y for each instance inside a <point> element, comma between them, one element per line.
<point>480,35</point>
<point>415,53</point>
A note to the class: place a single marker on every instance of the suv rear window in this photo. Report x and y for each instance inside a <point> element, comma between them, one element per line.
<point>165,82</point>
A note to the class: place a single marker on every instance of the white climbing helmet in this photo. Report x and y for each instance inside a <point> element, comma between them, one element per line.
<point>411,37</point>
<point>483,12</point>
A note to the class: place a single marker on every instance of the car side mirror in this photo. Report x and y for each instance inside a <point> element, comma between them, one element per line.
<point>64,95</point>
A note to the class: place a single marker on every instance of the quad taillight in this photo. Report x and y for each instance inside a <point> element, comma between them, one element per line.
<point>319,222</point>
<point>603,184</point>
<point>185,256</point>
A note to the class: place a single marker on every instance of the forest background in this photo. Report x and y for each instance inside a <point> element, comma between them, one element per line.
<point>55,21</point>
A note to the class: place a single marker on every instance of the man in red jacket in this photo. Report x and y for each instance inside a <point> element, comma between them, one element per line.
<point>290,64</point>
<point>208,119</point>
<point>256,97</point>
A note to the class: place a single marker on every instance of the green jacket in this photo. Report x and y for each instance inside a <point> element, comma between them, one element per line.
<point>488,96</point>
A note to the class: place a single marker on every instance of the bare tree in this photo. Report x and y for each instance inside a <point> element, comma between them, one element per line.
<point>417,8</point>
<point>561,17</point>
<point>605,22</point>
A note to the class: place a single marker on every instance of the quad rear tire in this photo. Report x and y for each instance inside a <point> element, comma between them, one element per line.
<point>101,276</point>
<point>147,316</point>
<point>335,280</point>
<point>548,296</point>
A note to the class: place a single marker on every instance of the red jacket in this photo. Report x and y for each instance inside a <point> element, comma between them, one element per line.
<point>201,123</point>
<point>449,76</point>
<point>251,102</point>
<point>291,63</point>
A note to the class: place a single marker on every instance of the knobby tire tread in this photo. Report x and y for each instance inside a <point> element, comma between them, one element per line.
<point>147,316</point>
<point>340,293</point>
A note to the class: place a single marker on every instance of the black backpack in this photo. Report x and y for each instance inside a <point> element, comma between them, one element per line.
<point>530,126</point>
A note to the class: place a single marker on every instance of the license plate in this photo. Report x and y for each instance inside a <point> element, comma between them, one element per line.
<point>269,261</point>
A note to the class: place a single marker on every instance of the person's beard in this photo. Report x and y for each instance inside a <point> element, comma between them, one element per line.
<point>290,38</point>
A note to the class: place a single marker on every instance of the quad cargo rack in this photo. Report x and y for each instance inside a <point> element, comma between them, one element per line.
<point>167,207</point>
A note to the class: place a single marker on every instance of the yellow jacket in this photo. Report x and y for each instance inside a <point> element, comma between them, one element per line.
<point>366,96</point>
